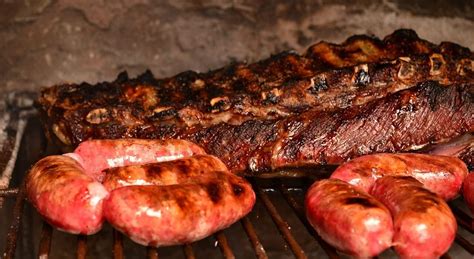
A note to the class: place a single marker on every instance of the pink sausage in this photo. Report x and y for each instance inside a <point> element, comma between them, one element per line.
<point>347,218</point>
<point>175,214</point>
<point>442,175</point>
<point>66,197</point>
<point>424,225</point>
<point>97,155</point>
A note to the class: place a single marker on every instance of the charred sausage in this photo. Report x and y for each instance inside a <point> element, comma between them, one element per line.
<point>184,170</point>
<point>468,191</point>
<point>97,155</point>
<point>424,225</point>
<point>347,218</point>
<point>175,214</point>
<point>440,174</point>
<point>66,197</point>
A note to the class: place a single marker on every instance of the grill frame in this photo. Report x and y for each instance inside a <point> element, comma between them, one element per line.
<point>288,190</point>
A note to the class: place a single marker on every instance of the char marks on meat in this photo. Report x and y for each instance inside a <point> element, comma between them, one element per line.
<point>404,121</point>
<point>331,103</point>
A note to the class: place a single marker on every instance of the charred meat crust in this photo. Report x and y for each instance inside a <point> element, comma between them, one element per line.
<point>404,121</point>
<point>384,125</point>
<point>326,77</point>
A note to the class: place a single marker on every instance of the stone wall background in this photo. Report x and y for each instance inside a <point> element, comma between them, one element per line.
<point>45,42</point>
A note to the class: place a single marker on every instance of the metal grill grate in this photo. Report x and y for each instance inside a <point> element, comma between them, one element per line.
<point>276,228</point>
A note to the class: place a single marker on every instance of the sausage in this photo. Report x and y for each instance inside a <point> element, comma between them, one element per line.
<point>468,191</point>
<point>440,174</point>
<point>424,225</point>
<point>97,155</point>
<point>184,170</point>
<point>180,213</point>
<point>347,218</point>
<point>66,197</point>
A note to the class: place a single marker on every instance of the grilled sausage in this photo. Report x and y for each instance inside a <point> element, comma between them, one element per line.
<point>440,174</point>
<point>184,170</point>
<point>66,197</point>
<point>181,213</point>
<point>351,220</point>
<point>468,191</point>
<point>424,225</point>
<point>97,155</point>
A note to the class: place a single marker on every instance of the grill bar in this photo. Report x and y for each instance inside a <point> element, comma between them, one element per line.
<point>9,192</point>
<point>188,251</point>
<point>299,210</point>
<point>45,241</point>
<point>463,219</point>
<point>281,224</point>
<point>118,245</point>
<point>465,244</point>
<point>81,252</point>
<point>224,245</point>
<point>12,235</point>
<point>252,235</point>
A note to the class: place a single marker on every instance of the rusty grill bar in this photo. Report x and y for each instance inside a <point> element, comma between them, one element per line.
<point>290,194</point>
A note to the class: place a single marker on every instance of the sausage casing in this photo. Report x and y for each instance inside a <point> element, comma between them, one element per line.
<point>184,170</point>
<point>177,214</point>
<point>97,155</point>
<point>442,175</point>
<point>424,225</point>
<point>66,197</point>
<point>349,219</point>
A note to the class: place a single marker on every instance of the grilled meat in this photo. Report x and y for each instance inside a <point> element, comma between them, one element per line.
<point>404,121</point>
<point>327,77</point>
<point>332,103</point>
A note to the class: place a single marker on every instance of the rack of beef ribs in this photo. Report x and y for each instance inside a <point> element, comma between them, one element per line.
<point>330,104</point>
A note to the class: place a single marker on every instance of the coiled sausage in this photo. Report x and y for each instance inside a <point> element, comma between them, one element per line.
<point>442,175</point>
<point>349,219</point>
<point>65,196</point>
<point>424,225</point>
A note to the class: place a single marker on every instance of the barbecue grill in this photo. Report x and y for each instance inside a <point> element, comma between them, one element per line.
<point>276,228</point>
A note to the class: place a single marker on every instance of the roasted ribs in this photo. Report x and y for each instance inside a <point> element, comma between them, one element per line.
<point>330,104</point>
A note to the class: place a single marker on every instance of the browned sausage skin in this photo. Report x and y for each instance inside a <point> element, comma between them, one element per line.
<point>348,218</point>
<point>176,214</point>
<point>184,170</point>
<point>424,225</point>
<point>66,197</point>
<point>97,155</point>
<point>442,175</point>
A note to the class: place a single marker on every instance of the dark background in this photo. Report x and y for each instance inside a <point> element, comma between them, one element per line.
<point>45,42</point>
